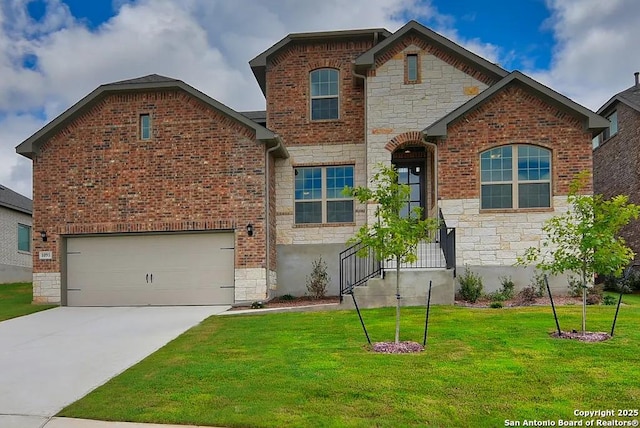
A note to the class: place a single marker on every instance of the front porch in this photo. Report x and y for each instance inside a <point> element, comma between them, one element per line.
<point>373,282</point>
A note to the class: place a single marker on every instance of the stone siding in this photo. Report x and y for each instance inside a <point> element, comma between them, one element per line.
<point>290,233</point>
<point>394,108</point>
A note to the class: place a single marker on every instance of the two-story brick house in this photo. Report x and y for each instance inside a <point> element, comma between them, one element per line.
<point>616,158</point>
<point>138,171</point>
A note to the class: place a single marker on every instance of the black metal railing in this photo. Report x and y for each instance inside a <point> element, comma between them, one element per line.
<point>356,270</point>
<point>438,250</point>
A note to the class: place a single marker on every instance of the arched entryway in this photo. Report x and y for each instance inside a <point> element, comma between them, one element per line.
<point>414,161</point>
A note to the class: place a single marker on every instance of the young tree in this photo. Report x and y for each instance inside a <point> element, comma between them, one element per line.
<point>585,239</point>
<point>392,236</point>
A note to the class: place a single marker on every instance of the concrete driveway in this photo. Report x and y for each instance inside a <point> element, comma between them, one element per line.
<point>52,358</point>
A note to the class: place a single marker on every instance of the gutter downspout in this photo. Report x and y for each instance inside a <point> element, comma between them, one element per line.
<point>435,169</point>
<point>266,213</point>
<point>366,143</point>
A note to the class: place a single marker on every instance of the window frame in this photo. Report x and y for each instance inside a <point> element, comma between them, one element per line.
<point>335,96</point>
<point>28,229</point>
<point>324,199</point>
<point>407,79</point>
<point>609,131</point>
<point>515,181</point>
<point>142,126</point>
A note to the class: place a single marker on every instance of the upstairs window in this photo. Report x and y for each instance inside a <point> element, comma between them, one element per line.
<point>145,127</point>
<point>517,176</point>
<point>324,94</point>
<point>24,238</point>
<point>318,195</point>
<point>411,69</point>
<point>613,126</point>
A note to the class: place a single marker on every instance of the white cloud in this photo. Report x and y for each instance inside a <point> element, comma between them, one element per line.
<point>597,49</point>
<point>208,43</point>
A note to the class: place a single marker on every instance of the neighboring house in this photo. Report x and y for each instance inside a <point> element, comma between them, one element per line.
<point>150,192</point>
<point>616,157</point>
<point>15,237</point>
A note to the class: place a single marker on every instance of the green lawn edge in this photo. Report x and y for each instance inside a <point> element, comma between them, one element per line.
<point>482,367</point>
<point>15,301</point>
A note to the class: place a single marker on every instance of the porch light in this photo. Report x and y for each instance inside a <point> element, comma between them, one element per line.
<point>43,235</point>
<point>250,229</point>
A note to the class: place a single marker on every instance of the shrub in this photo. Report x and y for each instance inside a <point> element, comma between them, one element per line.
<point>609,300</point>
<point>470,285</point>
<point>594,295</point>
<point>257,305</point>
<point>495,305</point>
<point>318,280</point>
<point>538,284</point>
<point>526,296</point>
<point>627,285</point>
<point>287,297</point>
<point>575,286</point>
<point>508,287</point>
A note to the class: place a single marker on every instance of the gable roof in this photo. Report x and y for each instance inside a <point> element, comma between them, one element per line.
<point>630,97</point>
<point>259,63</point>
<point>367,59</point>
<point>31,145</point>
<point>591,120</point>
<point>15,201</point>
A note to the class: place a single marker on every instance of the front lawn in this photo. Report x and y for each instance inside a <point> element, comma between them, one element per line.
<point>15,301</point>
<point>481,368</point>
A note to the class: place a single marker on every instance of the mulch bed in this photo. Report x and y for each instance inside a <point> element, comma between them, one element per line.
<point>588,336</point>
<point>397,348</point>
<point>278,302</point>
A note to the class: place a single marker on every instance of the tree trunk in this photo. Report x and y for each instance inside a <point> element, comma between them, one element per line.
<point>584,303</point>
<point>397,299</point>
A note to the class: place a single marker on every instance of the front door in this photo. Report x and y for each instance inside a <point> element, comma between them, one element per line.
<point>412,174</point>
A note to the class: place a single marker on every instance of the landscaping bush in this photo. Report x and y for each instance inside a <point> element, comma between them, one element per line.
<point>538,284</point>
<point>470,285</point>
<point>627,285</point>
<point>609,300</point>
<point>575,286</point>
<point>287,298</point>
<point>595,295</point>
<point>495,305</point>
<point>318,280</point>
<point>508,287</point>
<point>526,296</point>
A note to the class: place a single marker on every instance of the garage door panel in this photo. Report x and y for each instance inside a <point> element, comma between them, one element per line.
<point>171,269</point>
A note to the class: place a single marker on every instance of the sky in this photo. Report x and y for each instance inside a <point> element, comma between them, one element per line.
<point>54,52</point>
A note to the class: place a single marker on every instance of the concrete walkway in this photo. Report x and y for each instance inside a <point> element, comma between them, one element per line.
<point>52,358</point>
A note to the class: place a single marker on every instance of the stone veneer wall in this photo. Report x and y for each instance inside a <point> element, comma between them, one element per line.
<point>394,107</point>
<point>250,284</point>
<point>328,155</point>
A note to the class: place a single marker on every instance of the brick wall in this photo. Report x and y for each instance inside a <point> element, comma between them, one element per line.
<point>288,93</point>
<point>616,168</point>
<point>200,171</point>
<point>513,116</point>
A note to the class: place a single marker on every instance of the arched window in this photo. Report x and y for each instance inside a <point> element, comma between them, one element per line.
<point>517,176</point>
<point>324,94</point>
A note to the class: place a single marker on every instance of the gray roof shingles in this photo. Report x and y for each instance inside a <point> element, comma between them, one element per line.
<point>15,201</point>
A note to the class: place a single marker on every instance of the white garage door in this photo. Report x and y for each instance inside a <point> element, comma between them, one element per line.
<point>140,269</point>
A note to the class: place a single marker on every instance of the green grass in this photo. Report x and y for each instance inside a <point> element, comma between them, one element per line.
<point>481,367</point>
<point>15,301</point>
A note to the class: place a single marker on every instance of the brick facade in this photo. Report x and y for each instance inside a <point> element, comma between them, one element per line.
<point>288,93</point>
<point>200,170</point>
<point>616,168</point>
<point>513,116</point>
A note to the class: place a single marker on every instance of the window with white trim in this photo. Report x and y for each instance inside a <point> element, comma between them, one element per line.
<point>324,94</point>
<point>145,127</point>
<point>613,126</point>
<point>318,194</point>
<point>24,238</point>
<point>517,176</point>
